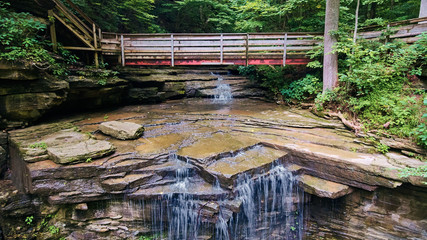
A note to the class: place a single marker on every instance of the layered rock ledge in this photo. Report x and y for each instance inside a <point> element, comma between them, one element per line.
<point>213,145</point>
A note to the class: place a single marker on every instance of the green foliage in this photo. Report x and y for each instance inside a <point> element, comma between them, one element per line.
<point>21,40</point>
<point>89,160</point>
<point>29,220</point>
<point>53,229</point>
<point>197,16</point>
<point>382,148</point>
<point>273,15</point>
<point>376,83</point>
<point>270,77</point>
<point>41,145</point>
<point>302,88</point>
<point>421,131</point>
<point>132,16</point>
<point>101,74</point>
<point>417,172</point>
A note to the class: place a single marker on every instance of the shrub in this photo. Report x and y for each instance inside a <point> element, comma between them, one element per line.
<point>302,88</point>
<point>20,40</point>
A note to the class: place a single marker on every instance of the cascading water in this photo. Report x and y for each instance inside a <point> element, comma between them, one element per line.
<point>177,209</point>
<point>222,92</point>
<point>272,207</point>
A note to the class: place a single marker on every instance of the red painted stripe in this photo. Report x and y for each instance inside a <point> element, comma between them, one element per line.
<point>293,61</point>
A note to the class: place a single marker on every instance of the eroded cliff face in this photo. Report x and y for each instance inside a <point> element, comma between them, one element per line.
<point>210,163</point>
<point>27,93</point>
<point>382,214</point>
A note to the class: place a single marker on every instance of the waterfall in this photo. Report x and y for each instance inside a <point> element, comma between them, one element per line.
<point>272,207</point>
<point>222,92</point>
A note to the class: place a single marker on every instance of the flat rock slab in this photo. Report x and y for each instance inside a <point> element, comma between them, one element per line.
<point>323,188</point>
<point>80,152</point>
<point>130,181</point>
<point>256,158</point>
<point>122,130</point>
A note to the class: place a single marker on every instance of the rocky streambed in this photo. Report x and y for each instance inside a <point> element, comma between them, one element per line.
<point>201,170</point>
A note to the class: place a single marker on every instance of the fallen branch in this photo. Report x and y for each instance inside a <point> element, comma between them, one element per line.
<point>353,125</point>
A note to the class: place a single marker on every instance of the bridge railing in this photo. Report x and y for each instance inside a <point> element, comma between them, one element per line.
<point>218,48</point>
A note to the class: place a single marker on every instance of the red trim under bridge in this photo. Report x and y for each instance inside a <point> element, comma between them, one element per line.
<point>210,49</point>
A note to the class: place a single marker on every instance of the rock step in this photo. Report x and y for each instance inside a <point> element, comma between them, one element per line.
<point>323,188</point>
<point>129,181</point>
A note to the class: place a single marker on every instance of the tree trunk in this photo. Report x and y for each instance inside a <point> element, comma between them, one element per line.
<point>373,10</point>
<point>330,61</point>
<point>423,9</point>
<point>356,21</point>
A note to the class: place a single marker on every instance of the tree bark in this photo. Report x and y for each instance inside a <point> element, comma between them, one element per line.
<point>423,9</point>
<point>356,21</point>
<point>330,60</point>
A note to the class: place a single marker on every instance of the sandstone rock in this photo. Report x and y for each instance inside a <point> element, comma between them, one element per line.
<point>403,144</point>
<point>17,71</point>
<point>323,188</point>
<point>122,130</point>
<point>131,181</point>
<point>144,95</point>
<point>3,161</point>
<point>80,152</point>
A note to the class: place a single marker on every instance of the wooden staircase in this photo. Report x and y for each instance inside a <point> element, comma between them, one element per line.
<point>84,28</point>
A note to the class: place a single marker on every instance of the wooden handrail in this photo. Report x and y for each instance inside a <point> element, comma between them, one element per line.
<point>70,15</point>
<point>394,24</point>
<point>81,13</point>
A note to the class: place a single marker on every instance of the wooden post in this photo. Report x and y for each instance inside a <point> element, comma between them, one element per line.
<point>122,46</point>
<point>172,52</point>
<point>247,49</point>
<point>222,49</point>
<point>52,31</point>
<point>95,45</point>
<point>284,48</point>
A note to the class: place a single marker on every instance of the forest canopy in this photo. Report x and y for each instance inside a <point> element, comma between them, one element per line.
<point>237,15</point>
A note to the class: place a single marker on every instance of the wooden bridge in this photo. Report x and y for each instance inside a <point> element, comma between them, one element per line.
<point>201,49</point>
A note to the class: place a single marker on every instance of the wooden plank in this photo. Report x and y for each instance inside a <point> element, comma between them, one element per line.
<point>279,42</point>
<point>172,51</point>
<point>95,44</point>
<point>184,49</point>
<point>278,49</point>
<point>76,22</point>
<point>64,10</point>
<point>247,49</point>
<point>53,32</point>
<point>183,38</point>
<point>405,35</point>
<point>279,36</point>
<point>222,49</point>
<point>73,31</point>
<point>122,50</point>
<point>80,48</point>
<point>80,12</point>
<point>284,48</point>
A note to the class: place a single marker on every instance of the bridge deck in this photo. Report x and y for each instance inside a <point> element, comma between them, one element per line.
<point>200,49</point>
<point>204,49</point>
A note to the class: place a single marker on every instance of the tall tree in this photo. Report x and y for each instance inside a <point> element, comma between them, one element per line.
<point>330,59</point>
<point>423,9</point>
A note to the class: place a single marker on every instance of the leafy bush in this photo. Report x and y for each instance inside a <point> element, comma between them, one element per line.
<point>20,40</point>
<point>376,83</point>
<point>421,131</point>
<point>302,88</point>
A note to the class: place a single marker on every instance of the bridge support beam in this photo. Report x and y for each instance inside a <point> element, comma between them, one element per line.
<point>52,30</point>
